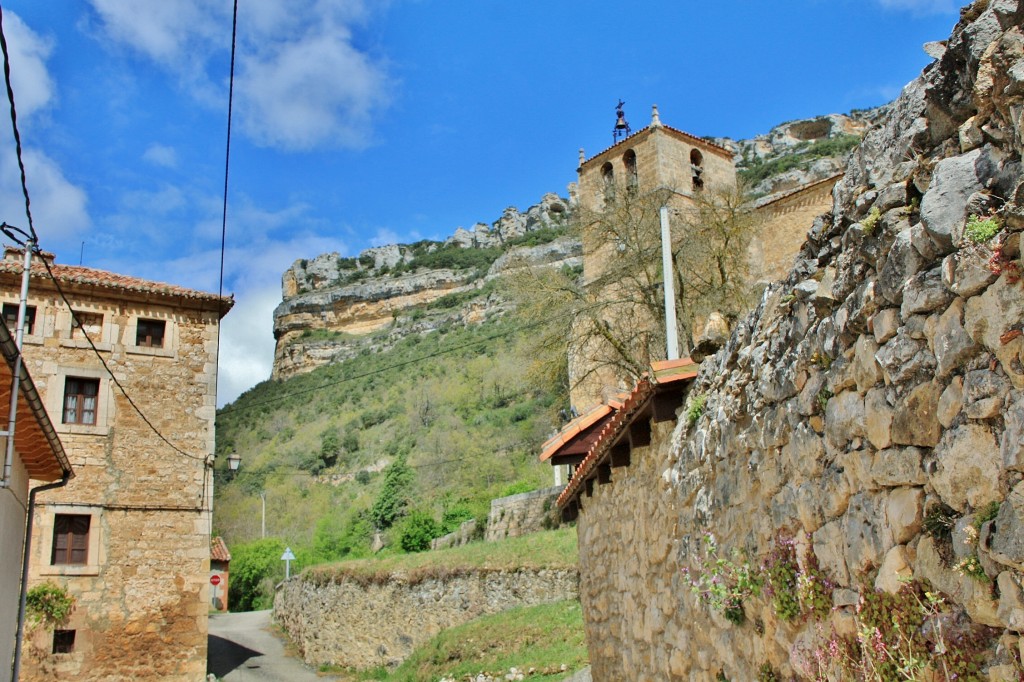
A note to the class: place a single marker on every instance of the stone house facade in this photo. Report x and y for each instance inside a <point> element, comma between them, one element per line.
<point>37,455</point>
<point>131,380</point>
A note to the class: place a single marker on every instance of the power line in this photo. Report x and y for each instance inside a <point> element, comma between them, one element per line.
<point>227,155</point>
<point>14,127</point>
<point>381,370</point>
<point>106,367</point>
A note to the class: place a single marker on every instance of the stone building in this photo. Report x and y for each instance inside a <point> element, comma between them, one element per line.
<point>37,455</point>
<point>132,374</point>
<point>660,165</point>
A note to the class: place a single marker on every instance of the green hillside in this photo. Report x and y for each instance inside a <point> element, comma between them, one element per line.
<point>423,435</point>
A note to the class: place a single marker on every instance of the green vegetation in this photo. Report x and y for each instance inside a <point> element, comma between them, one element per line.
<point>254,572</point>
<point>550,549</point>
<point>757,169</point>
<point>440,424</point>
<point>980,230</point>
<point>695,408</point>
<point>544,638</point>
<point>437,255</point>
<point>49,604</point>
<point>870,223</point>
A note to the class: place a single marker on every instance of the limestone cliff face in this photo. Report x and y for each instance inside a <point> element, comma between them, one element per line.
<point>871,408</point>
<point>333,307</point>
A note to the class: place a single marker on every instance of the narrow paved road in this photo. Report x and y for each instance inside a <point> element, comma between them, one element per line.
<point>243,647</point>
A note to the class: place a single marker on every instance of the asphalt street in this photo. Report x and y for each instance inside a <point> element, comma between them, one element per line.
<point>243,647</point>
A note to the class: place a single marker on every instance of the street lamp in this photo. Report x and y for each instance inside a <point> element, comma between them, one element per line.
<point>234,460</point>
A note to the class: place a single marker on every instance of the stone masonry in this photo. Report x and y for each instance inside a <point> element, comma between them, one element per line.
<point>879,384</point>
<point>362,623</point>
<point>142,507</point>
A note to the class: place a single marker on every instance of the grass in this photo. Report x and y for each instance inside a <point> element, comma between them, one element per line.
<point>542,638</point>
<point>548,549</point>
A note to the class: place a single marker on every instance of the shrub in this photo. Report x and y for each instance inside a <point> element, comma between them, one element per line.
<point>418,529</point>
<point>49,604</point>
<point>252,565</point>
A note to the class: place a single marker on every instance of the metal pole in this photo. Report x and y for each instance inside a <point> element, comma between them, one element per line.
<point>671,336</point>
<point>263,516</point>
<point>19,336</point>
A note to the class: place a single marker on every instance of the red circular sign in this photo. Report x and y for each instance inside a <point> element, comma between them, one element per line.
<point>215,579</point>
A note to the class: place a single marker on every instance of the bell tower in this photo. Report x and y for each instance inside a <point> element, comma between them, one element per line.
<point>658,164</point>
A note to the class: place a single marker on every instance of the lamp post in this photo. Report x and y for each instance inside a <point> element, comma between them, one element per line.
<point>263,516</point>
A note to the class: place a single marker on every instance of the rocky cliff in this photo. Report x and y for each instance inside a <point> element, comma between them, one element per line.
<point>334,308</point>
<point>846,500</point>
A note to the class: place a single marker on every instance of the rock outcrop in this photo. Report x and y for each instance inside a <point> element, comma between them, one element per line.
<point>870,410</point>
<point>334,308</point>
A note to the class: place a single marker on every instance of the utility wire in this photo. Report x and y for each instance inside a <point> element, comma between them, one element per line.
<point>120,386</point>
<point>227,155</point>
<point>381,370</point>
<point>14,127</point>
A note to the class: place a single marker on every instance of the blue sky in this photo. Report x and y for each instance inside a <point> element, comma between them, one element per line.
<point>360,123</point>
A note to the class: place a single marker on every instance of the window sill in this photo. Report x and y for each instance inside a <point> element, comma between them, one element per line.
<point>153,352</point>
<point>66,569</point>
<point>83,429</point>
<point>82,343</point>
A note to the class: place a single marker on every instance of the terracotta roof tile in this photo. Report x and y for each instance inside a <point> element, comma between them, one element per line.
<point>666,372</point>
<point>219,550</point>
<point>74,274</point>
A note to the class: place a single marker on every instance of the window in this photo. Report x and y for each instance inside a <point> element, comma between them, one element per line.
<point>87,323</point>
<point>11,318</point>
<point>629,160</point>
<point>80,400</point>
<point>697,169</point>
<point>63,641</point>
<point>608,176</point>
<point>70,539</point>
<point>150,333</point>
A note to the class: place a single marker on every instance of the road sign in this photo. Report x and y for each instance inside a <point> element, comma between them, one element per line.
<point>215,580</point>
<point>287,558</point>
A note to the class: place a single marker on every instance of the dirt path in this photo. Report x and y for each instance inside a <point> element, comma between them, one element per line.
<point>244,648</point>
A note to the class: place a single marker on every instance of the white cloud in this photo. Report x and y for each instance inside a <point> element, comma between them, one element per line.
<point>301,81</point>
<point>161,155</point>
<point>33,87</point>
<point>59,208</point>
<point>922,6</point>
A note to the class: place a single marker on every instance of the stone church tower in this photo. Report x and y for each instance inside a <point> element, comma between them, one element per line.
<point>655,164</point>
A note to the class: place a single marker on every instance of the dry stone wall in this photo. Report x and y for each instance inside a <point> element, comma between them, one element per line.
<point>870,411</point>
<point>343,621</point>
<point>522,514</point>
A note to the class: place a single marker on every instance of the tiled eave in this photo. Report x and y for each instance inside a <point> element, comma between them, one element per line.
<point>108,284</point>
<point>764,202</point>
<point>35,439</point>
<point>617,436</point>
<point>675,132</point>
<point>219,550</point>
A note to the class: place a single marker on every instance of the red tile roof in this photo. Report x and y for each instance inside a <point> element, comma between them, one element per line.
<point>218,550</point>
<point>74,274</point>
<point>662,374</point>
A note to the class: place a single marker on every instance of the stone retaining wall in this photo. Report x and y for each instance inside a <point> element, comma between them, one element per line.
<point>522,514</point>
<point>339,621</point>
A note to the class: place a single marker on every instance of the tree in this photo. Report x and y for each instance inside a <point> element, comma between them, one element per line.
<point>610,318</point>
<point>253,566</point>
<point>394,494</point>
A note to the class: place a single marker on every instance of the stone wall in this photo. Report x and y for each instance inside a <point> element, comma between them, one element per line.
<point>342,621</point>
<point>465,534</point>
<point>522,514</point>
<point>871,409</point>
